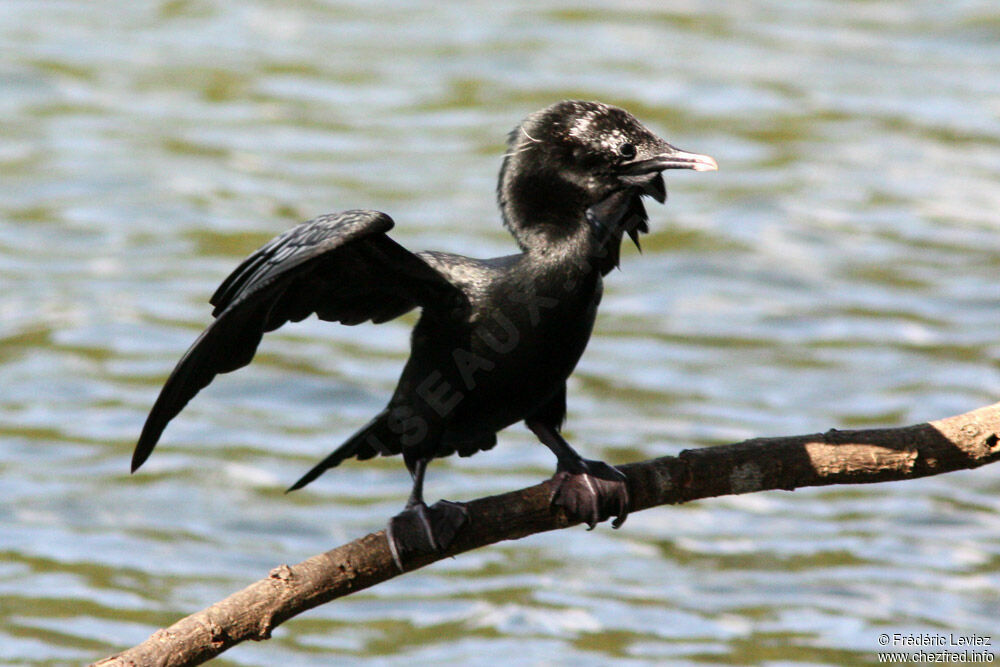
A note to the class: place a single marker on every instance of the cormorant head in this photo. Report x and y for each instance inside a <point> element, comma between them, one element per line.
<point>584,161</point>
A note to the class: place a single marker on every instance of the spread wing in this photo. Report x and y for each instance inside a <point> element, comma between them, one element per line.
<point>341,266</point>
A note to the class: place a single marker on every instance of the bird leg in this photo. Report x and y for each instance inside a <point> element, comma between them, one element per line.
<point>420,529</point>
<point>588,491</point>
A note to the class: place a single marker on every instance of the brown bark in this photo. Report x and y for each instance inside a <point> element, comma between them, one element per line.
<point>835,457</point>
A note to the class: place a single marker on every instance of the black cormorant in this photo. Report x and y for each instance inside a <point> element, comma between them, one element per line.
<point>496,339</point>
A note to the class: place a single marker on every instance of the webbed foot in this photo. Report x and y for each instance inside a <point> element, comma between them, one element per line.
<point>420,529</point>
<point>590,491</point>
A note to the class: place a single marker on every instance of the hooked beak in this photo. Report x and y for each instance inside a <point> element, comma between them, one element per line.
<point>645,173</point>
<point>672,158</point>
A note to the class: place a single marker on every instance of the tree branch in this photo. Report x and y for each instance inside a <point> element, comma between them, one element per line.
<point>835,457</point>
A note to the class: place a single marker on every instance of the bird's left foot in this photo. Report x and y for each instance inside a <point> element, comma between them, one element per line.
<point>591,492</point>
<point>420,529</point>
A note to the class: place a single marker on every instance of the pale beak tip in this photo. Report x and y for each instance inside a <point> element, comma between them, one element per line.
<point>705,163</point>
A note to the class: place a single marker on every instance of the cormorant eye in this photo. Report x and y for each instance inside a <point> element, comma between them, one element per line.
<point>627,151</point>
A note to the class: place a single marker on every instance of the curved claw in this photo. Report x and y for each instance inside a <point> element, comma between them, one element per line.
<point>591,492</point>
<point>422,529</point>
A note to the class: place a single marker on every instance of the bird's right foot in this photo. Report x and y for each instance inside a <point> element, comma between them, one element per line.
<point>590,492</point>
<point>420,529</point>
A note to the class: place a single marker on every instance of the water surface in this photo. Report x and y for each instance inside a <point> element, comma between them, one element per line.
<point>838,271</point>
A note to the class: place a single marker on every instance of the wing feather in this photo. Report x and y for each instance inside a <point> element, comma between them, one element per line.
<point>341,267</point>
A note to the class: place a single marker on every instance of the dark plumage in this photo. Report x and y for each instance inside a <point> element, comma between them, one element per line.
<point>496,339</point>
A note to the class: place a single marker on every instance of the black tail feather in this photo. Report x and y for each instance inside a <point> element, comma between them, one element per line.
<point>373,439</point>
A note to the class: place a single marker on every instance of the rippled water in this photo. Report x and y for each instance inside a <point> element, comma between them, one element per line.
<point>839,270</point>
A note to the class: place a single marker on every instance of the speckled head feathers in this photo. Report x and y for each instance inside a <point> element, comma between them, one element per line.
<point>591,130</point>
<point>569,157</point>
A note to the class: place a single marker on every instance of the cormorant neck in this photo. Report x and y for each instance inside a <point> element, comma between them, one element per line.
<point>585,236</point>
<point>542,210</point>
<point>562,242</point>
